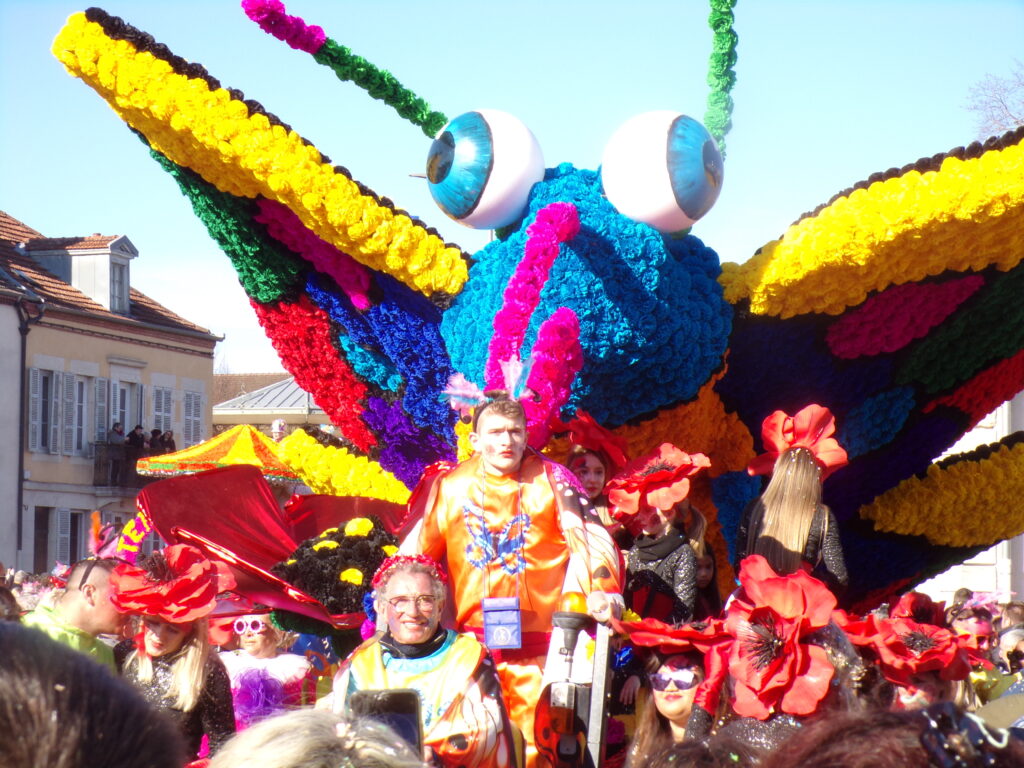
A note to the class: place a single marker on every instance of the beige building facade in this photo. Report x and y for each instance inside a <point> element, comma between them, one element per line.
<point>96,352</point>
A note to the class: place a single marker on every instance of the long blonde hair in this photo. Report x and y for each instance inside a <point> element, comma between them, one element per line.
<point>188,671</point>
<point>781,519</point>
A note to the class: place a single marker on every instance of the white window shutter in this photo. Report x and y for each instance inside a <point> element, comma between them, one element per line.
<point>62,518</point>
<point>68,414</point>
<point>35,411</point>
<point>56,396</point>
<point>140,399</point>
<point>101,394</point>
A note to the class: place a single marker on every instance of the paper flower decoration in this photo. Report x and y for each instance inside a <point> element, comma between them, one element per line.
<point>811,428</point>
<point>190,593</point>
<point>772,667</point>
<point>661,479</point>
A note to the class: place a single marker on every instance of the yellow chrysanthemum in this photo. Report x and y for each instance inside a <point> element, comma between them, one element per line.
<point>630,615</point>
<point>390,550</point>
<point>325,545</point>
<point>327,532</point>
<point>336,472</point>
<point>359,526</point>
<point>244,155</point>
<point>352,576</point>
<point>966,216</point>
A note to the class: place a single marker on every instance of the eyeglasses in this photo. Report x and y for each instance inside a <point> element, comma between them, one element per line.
<point>684,679</point>
<point>252,625</point>
<point>404,603</point>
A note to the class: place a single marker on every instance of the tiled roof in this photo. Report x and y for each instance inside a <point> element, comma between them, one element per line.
<point>70,243</point>
<point>58,293</point>
<point>282,397</point>
<point>227,386</point>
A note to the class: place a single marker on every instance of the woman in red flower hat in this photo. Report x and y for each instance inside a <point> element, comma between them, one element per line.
<point>649,498</point>
<point>788,524</point>
<point>596,455</point>
<point>170,660</point>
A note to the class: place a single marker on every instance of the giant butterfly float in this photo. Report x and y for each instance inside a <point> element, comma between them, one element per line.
<point>895,304</point>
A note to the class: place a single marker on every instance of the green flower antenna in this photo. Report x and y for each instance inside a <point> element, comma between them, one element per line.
<point>721,72</point>
<point>379,83</point>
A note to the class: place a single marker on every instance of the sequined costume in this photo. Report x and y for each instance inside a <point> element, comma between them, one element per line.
<point>661,577</point>
<point>264,687</point>
<point>213,715</point>
<point>529,535</point>
<point>464,719</point>
<point>823,551</point>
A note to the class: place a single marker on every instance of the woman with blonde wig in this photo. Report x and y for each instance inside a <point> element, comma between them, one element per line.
<point>170,660</point>
<point>788,524</point>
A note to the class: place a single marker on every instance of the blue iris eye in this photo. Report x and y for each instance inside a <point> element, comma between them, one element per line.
<point>694,166</point>
<point>459,165</point>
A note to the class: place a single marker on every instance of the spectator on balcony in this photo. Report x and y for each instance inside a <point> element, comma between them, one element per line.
<point>115,454</point>
<point>135,449</point>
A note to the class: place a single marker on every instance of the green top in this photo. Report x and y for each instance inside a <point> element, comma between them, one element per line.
<point>52,623</point>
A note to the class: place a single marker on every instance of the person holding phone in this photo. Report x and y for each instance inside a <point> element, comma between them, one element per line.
<point>462,718</point>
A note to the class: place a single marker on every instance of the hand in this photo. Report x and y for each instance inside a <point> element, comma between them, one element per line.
<point>628,694</point>
<point>604,606</point>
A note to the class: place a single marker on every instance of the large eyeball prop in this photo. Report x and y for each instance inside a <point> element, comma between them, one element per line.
<point>662,168</point>
<point>481,168</point>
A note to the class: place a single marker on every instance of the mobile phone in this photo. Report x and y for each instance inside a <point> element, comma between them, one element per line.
<point>397,708</point>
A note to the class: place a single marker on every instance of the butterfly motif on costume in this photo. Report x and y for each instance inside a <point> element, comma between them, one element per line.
<point>486,546</point>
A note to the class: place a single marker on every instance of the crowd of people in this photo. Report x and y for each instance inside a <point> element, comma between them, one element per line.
<point>143,663</point>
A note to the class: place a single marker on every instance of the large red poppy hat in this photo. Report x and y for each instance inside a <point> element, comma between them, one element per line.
<point>811,428</point>
<point>585,432</point>
<point>188,592</point>
<point>660,479</point>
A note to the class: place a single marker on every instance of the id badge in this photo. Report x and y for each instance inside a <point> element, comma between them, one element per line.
<point>503,623</point>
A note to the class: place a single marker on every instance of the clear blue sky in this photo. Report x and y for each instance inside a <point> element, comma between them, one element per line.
<point>828,93</point>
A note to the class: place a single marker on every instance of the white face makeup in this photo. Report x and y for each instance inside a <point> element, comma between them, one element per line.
<point>500,441</point>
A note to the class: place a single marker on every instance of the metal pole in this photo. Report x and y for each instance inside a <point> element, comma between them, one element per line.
<point>596,721</point>
<point>25,320</point>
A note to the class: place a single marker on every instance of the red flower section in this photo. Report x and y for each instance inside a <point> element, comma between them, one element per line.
<point>897,316</point>
<point>191,594</point>
<point>660,479</point>
<point>585,432</point>
<point>811,428</point>
<point>301,334</point>
<point>993,386</point>
<point>771,667</point>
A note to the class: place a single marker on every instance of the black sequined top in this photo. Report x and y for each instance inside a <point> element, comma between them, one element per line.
<point>214,713</point>
<point>664,566</point>
<point>823,551</point>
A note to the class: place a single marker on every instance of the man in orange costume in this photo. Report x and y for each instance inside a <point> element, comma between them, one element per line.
<point>511,526</point>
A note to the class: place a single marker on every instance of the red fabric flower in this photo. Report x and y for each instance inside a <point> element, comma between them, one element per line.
<point>585,432</point>
<point>919,607</point>
<point>905,648</point>
<point>771,667</point>
<point>660,479</point>
<point>190,595</point>
<point>811,428</point>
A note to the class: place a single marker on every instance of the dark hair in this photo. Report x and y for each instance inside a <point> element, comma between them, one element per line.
<point>719,751</point>
<point>80,572</point>
<point>60,709</point>
<point>872,739</point>
<point>9,608</point>
<point>1013,614</point>
<point>498,401</point>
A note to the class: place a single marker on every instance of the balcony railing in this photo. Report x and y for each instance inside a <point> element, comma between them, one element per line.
<point>114,467</point>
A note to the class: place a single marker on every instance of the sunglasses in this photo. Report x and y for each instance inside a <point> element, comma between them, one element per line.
<point>252,625</point>
<point>107,564</point>
<point>684,680</point>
